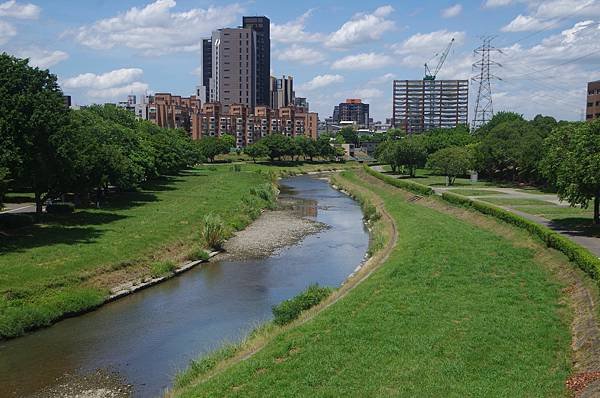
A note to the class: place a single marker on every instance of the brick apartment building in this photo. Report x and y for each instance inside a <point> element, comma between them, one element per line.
<point>248,127</point>
<point>353,110</point>
<point>173,111</point>
<point>593,101</point>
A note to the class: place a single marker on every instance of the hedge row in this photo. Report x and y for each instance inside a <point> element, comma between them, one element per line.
<point>579,255</point>
<point>404,184</point>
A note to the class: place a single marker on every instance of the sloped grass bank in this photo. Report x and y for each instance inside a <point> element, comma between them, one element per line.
<point>455,310</point>
<point>66,264</point>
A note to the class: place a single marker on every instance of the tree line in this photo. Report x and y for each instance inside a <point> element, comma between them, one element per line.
<point>564,156</point>
<point>279,147</point>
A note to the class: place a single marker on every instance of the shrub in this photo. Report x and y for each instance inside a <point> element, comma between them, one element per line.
<point>60,208</point>
<point>14,221</point>
<point>585,260</point>
<point>213,231</point>
<point>265,192</point>
<point>198,254</point>
<point>161,268</point>
<point>288,310</point>
<point>236,168</point>
<point>404,184</point>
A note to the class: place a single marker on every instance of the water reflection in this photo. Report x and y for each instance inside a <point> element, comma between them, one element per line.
<point>148,336</point>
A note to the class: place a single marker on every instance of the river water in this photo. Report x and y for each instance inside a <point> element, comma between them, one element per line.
<point>147,337</point>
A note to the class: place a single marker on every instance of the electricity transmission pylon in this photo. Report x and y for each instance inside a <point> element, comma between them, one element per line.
<point>484,109</point>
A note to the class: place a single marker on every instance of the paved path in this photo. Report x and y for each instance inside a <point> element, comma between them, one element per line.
<point>18,208</point>
<point>589,242</point>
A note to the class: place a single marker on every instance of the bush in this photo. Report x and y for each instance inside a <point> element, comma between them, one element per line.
<point>288,310</point>
<point>585,260</point>
<point>60,208</point>
<point>161,268</point>
<point>14,221</point>
<point>213,231</point>
<point>404,184</point>
<point>265,192</point>
<point>198,254</point>
<point>236,168</point>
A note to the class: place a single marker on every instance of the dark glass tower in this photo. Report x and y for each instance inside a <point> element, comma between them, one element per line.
<point>206,66</point>
<point>262,27</point>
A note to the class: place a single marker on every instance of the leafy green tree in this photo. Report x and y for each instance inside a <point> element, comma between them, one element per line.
<point>31,112</point>
<point>437,139</point>
<point>572,163</point>
<point>210,147</point>
<point>228,141</point>
<point>410,153</point>
<point>350,135</point>
<point>3,184</point>
<point>323,147</point>
<point>451,162</point>
<point>385,153</point>
<point>256,151</point>
<point>278,145</point>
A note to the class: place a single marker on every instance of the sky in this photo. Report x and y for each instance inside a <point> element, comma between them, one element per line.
<point>103,50</point>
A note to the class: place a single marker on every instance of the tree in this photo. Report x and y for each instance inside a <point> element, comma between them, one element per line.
<point>277,145</point>
<point>350,135</point>
<point>210,147</point>
<point>228,142</point>
<point>572,164</point>
<point>437,139</point>
<point>410,152</point>
<point>452,162</point>
<point>257,150</point>
<point>32,111</point>
<point>3,183</point>
<point>385,153</point>
<point>323,147</point>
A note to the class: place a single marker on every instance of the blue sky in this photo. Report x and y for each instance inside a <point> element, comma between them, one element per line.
<point>104,50</point>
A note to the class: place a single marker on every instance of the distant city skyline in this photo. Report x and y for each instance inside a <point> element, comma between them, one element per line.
<point>104,50</point>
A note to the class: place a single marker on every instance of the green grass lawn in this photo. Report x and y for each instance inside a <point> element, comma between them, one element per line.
<point>475,192</point>
<point>43,268</point>
<point>517,201</point>
<point>455,311</point>
<point>554,212</point>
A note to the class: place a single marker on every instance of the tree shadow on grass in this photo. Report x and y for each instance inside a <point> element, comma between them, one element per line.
<point>70,229</point>
<point>580,226</point>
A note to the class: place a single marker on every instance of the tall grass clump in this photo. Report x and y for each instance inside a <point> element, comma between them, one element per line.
<point>162,268</point>
<point>288,310</point>
<point>213,231</point>
<point>265,192</point>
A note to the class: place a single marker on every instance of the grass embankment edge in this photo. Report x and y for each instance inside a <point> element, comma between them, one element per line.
<point>582,257</point>
<point>383,238</point>
<point>158,268</point>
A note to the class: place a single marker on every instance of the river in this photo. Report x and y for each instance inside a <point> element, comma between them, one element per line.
<point>147,337</point>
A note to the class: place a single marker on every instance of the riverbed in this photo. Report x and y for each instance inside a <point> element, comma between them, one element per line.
<point>138,343</point>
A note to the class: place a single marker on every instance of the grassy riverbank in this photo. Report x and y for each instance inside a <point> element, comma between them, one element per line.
<point>67,263</point>
<point>460,308</point>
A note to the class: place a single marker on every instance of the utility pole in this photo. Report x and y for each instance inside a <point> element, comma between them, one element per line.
<point>484,109</point>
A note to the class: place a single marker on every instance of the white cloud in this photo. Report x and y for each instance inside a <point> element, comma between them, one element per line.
<point>368,93</point>
<point>546,14</point>
<point>524,23</point>
<point>105,80</point>
<point>155,29</point>
<point>362,28</point>
<point>421,47</point>
<point>383,79</point>
<point>362,61</point>
<point>18,10</point>
<point>303,55</point>
<point>119,92</point>
<point>294,31</point>
<point>43,58</point>
<point>497,3</point>
<point>321,81</point>
<point>7,31</point>
<point>550,77</point>
<point>452,11</point>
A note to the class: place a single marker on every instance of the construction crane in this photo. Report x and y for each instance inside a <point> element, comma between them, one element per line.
<point>428,74</point>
